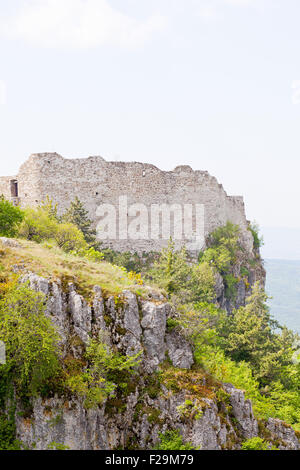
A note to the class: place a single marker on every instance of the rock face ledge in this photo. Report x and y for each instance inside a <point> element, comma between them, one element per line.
<point>134,325</point>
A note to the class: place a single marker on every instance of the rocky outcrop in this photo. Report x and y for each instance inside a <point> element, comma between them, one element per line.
<point>136,325</point>
<point>242,411</point>
<point>283,435</point>
<point>247,271</point>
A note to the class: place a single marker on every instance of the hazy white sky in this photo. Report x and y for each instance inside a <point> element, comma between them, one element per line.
<point>210,83</point>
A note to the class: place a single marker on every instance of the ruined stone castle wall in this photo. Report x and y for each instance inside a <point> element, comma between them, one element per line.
<point>5,185</point>
<point>96,181</point>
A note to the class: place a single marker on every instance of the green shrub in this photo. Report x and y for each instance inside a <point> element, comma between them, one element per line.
<point>31,341</point>
<point>230,286</point>
<point>258,240</point>
<point>69,238</point>
<point>100,378</point>
<point>198,321</point>
<point>183,280</point>
<point>92,254</point>
<point>50,208</point>
<point>172,440</point>
<point>251,335</point>
<point>223,248</point>
<point>8,433</point>
<point>255,443</point>
<point>10,218</point>
<point>57,446</point>
<point>77,215</point>
<point>39,226</point>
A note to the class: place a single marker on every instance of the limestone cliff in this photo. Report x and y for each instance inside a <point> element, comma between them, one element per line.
<point>209,415</point>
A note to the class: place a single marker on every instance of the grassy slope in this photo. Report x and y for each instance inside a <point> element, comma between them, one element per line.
<point>54,264</point>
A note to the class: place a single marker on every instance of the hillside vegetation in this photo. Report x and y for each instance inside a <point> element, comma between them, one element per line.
<point>234,342</point>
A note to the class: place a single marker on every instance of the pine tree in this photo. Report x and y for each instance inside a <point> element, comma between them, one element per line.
<point>78,215</point>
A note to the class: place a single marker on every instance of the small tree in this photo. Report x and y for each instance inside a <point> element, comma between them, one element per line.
<point>69,238</point>
<point>10,218</point>
<point>31,340</point>
<point>78,215</point>
<point>186,282</point>
<point>258,240</point>
<point>250,335</point>
<point>172,270</point>
<point>50,208</point>
<point>99,380</point>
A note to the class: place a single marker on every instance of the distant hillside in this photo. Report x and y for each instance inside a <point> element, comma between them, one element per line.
<point>283,284</point>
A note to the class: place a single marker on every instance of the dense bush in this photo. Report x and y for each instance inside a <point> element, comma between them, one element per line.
<point>95,382</point>
<point>250,335</point>
<point>223,248</point>
<point>255,443</point>
<point>10,218</point>
<point>39,226</point>
<point>172,440</point>
<point>185,281</point>
<point>30,338</point>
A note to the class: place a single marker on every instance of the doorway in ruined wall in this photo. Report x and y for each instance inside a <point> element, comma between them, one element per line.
<point>14,189</point>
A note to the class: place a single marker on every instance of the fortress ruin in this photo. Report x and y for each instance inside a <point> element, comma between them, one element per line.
<point>97,182</point>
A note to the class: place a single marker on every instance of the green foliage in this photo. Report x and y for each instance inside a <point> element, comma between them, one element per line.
<point>72,232</point>
<point>244,272</point>
<point>249,335</point>
<point>198,321</point>
<point>255,443</point>
<point>258,240</point>
<point>57,446</point>
<point>10,218</point>
<point>8,432</point>
<point>219,257</point>
<point>171,271</point>
<point>226,235</point>
<point>39,226</point>
<point>92,254</point>
<point>190,410</point>
<point>277,401</point>
<point>100,379</point>
<point>69,238</point>
<point>230,282</point>
<point>131,261</point>
<point>202,283</point>
<point>223,248</point>
<point>31,341</point>
<point>78,216</point>
<point>183,280</point>
<point>50,208</point>
<point>213,359</point>
<point>172,323</point>
<point>172,440</point>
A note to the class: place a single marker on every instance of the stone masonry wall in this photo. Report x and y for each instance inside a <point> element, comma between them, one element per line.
<point>96,181</point>
<point>5,185</point>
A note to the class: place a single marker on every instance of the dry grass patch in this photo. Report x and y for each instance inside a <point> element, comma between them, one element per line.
<point>196,384</point>
<point>54,264</point>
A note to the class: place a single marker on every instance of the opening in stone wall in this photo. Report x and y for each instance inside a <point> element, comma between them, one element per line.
<point>14,190</point>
